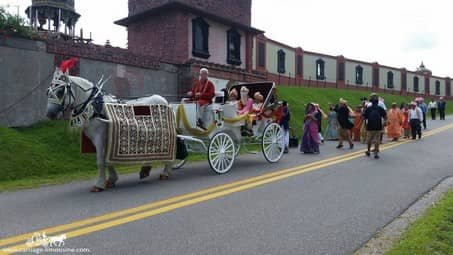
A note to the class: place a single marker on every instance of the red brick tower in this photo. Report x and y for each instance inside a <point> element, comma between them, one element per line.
<point>164,28</point>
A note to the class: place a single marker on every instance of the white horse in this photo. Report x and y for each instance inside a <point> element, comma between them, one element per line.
<point>77,95</point>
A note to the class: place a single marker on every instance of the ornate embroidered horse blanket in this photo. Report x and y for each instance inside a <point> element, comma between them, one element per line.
<point>140,134</point>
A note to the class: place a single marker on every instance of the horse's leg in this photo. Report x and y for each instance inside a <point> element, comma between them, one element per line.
<point>101,181</point>
<point>97,131</point>
<point>113,177</point>
<point>144,172</point>
<point>165,175</point>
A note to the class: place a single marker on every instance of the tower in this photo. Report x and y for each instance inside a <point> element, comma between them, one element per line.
<point>57,12</point>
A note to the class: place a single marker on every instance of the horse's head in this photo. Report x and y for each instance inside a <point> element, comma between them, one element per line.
<point>58,94</point>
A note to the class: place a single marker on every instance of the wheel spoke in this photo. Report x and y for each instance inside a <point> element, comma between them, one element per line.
<point>216,157</point>
<point>222,162</point>
<point>229,146</point>
<point>222,141</point>
<point>214,163</point>
<point>273,152</point>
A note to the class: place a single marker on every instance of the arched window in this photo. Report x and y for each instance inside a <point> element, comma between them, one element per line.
<point>320,64</point>
<point>281,61</point>
<point>200,38</point>
<point>261,54</point>
<point>234,47</point>
<point>437,88</point>
<point>341,71</point>
<point>416,89</point>
<point>390,80</point>
<point>358,75</point>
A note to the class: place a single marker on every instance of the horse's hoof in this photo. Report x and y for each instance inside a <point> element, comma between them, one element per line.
<point>109,184</point>
<point>96,189</point>
<point>163,177</point>
<point>144,172</point>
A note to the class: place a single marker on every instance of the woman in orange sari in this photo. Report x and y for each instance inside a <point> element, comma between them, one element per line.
<point>406,126</point>
<point>395,120</point>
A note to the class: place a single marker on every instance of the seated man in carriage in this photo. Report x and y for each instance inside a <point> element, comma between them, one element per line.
<point>233,97</point>
<point>203,91</point>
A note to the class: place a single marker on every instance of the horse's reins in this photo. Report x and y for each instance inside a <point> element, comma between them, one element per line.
<point>68,92</point>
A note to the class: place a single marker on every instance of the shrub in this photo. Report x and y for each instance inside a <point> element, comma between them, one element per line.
<point>14,25</point>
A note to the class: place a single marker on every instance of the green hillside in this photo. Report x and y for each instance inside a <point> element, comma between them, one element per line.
<point>41,154</point>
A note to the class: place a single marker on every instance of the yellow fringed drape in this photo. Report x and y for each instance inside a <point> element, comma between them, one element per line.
<point>181,116</point>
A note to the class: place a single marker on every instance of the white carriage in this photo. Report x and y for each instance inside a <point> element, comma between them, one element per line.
<point>223,134</point>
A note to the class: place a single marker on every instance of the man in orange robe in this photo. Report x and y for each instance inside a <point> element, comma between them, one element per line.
<point>203,91</point>
<point>395,120</point>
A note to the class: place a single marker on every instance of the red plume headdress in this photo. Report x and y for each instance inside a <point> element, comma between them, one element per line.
<point>68,64</point>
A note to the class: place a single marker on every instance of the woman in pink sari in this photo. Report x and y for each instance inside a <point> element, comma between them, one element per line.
<point>310,138</point>
<point>245,103</point>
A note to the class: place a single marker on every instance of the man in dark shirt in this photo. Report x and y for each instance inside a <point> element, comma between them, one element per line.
<point>284,124</point>
<point>373,116</point>
<point>345,125</point>
<point>441,108</point>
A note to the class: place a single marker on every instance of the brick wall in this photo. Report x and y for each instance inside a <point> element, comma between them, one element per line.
<point>101,53</point>
<point>164,36</point>
<point>237,10</point>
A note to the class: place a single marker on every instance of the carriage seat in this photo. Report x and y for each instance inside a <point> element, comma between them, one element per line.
<point>230,110</point>
<point>219,97</point>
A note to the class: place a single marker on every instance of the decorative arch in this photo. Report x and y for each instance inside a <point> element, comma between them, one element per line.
<point>200,38</point>
<point>320,69</point>
<point>281,59</point>
<point>359,75</point>
<point>390,80</point>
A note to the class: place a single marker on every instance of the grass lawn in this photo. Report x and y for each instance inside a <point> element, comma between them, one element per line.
<point>298,97</point>
<point>49,152</point>
<point>431,234</point>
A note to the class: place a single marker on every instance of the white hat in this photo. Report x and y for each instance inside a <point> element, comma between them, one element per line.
<point>244,89</point>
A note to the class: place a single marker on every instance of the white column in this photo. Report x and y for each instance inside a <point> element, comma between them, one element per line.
<point>36,19</point>
<point>30,12</point>
<point>59,18</point>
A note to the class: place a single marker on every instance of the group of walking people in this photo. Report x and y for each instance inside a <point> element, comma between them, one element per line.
<point>367,123</point>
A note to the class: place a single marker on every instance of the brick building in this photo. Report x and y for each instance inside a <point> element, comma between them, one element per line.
<point>210,33</point>
<point>218,35</point>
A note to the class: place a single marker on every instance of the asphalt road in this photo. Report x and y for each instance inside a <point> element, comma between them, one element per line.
<point>319,209</point>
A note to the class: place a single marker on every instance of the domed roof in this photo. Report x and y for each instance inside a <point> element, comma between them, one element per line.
<point>423,69</point>
<point>61,4</point>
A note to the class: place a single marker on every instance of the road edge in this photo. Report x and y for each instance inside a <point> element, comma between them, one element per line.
<point>383,240</point>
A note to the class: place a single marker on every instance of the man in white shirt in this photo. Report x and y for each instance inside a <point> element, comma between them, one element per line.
<point>415,120</point>
<point>432,106</point>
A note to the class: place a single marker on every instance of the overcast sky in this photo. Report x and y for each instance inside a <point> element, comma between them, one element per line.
<point>396,33</point>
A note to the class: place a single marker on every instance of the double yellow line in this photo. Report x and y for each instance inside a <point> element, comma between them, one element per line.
<point>110,220</point>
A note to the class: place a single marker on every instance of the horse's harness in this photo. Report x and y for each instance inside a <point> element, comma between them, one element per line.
<point>82,112</point>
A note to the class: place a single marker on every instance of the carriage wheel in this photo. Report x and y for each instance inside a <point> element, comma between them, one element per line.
<point>272,138</point>
<point>179,164</point>
<point>221,153</point>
